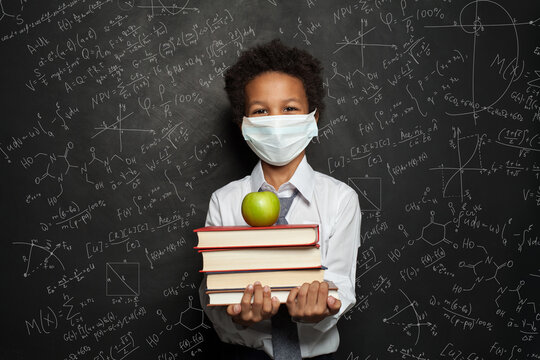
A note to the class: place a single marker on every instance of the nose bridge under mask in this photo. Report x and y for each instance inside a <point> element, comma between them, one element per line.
<point>269,130</point>
<point>278,139</point>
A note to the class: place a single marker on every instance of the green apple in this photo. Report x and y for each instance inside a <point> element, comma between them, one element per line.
<point>260,208</point>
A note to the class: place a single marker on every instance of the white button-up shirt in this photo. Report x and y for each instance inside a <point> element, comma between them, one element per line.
<point>321,200</point>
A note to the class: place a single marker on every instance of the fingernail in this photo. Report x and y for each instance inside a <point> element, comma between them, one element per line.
<point>257,283</point>
<point>275,298</point>
<point>267,289</point>
<point>237,308</point>
<point>331,300</point>
<point>250,287</point>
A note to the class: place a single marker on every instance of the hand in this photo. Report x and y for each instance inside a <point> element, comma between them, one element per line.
<point>263,306</point>
<point>311,303</point>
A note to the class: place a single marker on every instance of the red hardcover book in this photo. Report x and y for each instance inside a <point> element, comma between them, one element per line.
<point>278,278</point>
<point>223,237</point>
<point>265,258</point>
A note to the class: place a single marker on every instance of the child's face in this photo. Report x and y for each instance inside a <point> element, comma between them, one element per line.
<point>276,93</point>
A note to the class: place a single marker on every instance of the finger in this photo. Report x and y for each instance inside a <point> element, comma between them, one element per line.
<point>291,301</point>
<point>275,305</point>
<point>322,297</point>
<point>333,305</point>
<point>246,300</point>
<point>267,303</point>
<point>312,294</point>
<point>310,308</point>
<point>234,309</point>
<point>301,299</point>
<point>256,306</point>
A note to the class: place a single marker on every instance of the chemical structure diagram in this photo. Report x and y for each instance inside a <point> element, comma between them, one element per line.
<point>521,303</point>
<point>368,92</point>
<point>4,13</point>
<point>434,233</point>
<point>191,318</point>
<point>484,270</point>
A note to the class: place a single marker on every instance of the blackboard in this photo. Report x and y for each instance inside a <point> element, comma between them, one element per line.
<point>116,130</point>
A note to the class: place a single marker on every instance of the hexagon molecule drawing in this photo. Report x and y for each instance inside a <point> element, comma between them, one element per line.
<point>434,233</point>
<point>192,318</point>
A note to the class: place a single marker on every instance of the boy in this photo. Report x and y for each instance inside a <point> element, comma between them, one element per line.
<point>276,95</point>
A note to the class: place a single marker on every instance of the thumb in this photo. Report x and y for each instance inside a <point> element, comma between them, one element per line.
<point>275,305</point>
<point>234,309</point>
<point>333,305</point>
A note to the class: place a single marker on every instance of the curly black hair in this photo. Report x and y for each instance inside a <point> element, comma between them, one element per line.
<point>274,56</point>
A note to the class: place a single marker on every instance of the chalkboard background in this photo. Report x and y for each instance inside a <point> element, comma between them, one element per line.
<point>116,130</point>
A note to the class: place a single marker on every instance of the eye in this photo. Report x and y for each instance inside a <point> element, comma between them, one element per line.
<point>290,108</point>
<point>259,112</point>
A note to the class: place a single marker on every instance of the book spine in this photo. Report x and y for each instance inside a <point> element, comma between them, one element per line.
<point>252,228</point>
<point>322,267</point>
<point>250,270</point>
<point>201,250</point>
<point>315,243</point>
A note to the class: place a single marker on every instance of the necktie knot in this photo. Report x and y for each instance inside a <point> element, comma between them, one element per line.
<point>285,204</point>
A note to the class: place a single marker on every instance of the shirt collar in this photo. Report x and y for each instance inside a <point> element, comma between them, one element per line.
<point>257,177</point>
<point>302,179</point>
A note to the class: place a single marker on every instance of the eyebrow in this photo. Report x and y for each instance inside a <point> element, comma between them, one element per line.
<point>256,102</point>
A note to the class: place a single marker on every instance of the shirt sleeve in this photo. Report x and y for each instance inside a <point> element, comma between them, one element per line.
<point>341,257</point>
<point>227,330</point>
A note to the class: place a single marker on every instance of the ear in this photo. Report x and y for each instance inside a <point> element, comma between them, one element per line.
<point>317,116</point>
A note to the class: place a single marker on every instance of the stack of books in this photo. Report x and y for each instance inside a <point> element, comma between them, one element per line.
<point>280,256</point>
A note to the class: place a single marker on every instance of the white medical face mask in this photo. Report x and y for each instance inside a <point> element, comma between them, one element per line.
<point>279,139</point>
